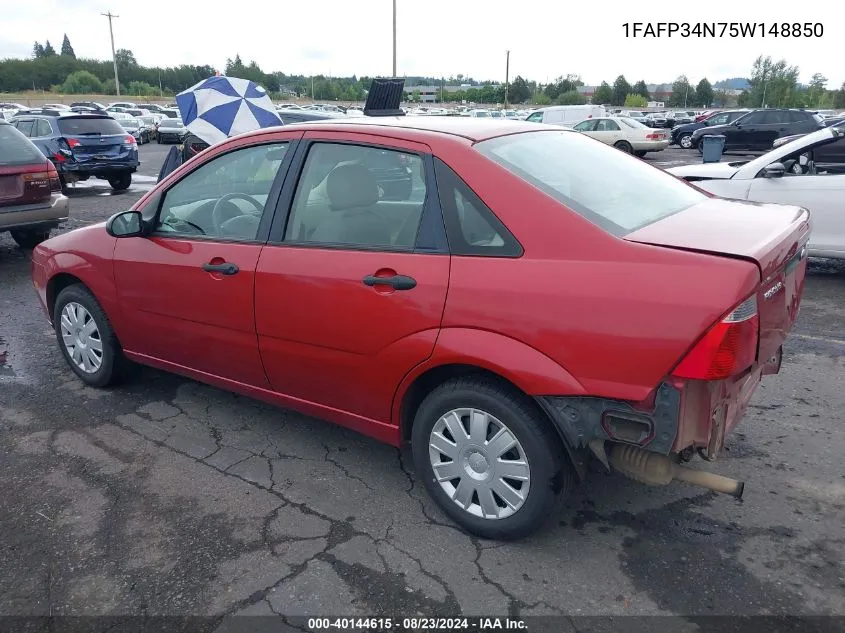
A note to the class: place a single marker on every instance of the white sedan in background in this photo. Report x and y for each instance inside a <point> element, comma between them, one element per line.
<point>808,172</point>
<point>624,133</point>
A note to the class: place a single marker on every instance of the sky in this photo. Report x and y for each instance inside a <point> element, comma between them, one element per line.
<point>546,38</point>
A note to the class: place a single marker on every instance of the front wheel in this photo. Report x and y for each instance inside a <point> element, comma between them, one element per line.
<point>685,141</point>
<point>489,458</point>
<point>624,146</point>
<point>86,338</point>
<point>30,239</point>
<point>121,182</point>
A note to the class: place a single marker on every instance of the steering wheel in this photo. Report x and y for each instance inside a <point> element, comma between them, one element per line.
<point>223,212</point>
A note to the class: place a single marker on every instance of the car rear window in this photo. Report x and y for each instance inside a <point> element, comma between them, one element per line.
<point>614,190</point>
<point>16,149</point>
<point>78,126</point>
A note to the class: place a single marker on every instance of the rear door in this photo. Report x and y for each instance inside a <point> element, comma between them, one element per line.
<point>607,131</point>
<point>187,290</point>
<point>350,290</point>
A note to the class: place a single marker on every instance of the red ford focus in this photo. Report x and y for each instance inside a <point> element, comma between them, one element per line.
<point>511,300</point>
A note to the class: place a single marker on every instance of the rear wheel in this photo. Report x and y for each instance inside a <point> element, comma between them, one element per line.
<point>489,458</point>
<point>685,141</point>
<point>86,338</point>
<point>700,146</point>
<point>624,146</point>
<point>30,239</point>
<point>639,153</point>
<point>121,182</point>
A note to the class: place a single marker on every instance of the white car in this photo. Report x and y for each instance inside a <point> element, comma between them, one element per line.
<point>808,172</point>
<point>624,133</point>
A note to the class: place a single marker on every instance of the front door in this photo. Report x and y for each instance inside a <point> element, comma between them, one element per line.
<point>187,290</point>
<point>741,134</point>
<point>350,294</point>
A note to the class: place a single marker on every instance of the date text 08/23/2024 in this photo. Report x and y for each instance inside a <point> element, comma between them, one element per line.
<point>724,29</point>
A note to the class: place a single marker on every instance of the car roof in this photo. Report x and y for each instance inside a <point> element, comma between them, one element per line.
<point>418,128</point>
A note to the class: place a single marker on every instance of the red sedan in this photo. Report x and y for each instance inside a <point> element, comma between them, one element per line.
<point>511,300</point>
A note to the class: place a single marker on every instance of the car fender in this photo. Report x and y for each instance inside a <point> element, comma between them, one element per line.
<point>529,369</point>
<point>96,275</point>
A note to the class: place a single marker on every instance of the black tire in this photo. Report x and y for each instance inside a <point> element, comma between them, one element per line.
<point>121,182</point>
<point>30,239</point>
<point>640,153</point>
<point>685,141</point>
<point>700,145</point>
<point>158,140</point>
<point>551,474</point>
<point>114,365</point>
<point>624,146</point>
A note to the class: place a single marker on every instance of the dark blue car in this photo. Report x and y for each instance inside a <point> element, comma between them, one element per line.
<point>82,146</point>
<point>682,134</point>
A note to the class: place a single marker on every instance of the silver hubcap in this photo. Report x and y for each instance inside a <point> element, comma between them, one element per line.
<point>81,337</point>
<point>686,142</point>
<point>479,463</point>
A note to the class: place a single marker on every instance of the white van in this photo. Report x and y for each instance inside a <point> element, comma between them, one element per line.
<point>566,116</point>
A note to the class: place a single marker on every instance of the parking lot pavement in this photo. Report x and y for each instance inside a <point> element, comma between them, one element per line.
<point>165,496</point>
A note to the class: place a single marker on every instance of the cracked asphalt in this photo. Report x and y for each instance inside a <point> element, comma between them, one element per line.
<point>168,497</point>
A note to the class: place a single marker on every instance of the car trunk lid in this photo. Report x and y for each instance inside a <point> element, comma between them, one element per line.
<point>772,236</point>
<point>26,184</point>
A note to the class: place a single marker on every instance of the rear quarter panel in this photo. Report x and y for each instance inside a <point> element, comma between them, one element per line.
<point>615,315</point>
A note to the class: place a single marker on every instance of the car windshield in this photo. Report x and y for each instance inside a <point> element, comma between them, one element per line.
<point>482,113</point>
<point>170,123</point>
<point>17,149</point>
<point>613,190</point>
<point>631,122</point>
<point>74,126</point>
<point>129,123</point>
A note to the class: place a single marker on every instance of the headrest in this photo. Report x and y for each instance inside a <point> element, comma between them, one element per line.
<point>351,186</point>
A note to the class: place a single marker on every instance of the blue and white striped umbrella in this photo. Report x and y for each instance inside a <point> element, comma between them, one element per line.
<point>219,107</point>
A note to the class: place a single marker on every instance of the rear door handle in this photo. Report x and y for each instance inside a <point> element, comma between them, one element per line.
<point>397,282</point>
<point>226,268</point>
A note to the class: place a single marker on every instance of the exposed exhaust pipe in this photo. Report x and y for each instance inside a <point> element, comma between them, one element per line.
<point>659,470</point>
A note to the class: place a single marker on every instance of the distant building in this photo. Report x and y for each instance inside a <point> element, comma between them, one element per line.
<point>431,94</point>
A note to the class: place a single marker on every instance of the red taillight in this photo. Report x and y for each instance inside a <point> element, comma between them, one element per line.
<point>654,137</point>
<point>55,183</point>
<point>130,140</point>
<point>72,142</point>
<point>727,349</point>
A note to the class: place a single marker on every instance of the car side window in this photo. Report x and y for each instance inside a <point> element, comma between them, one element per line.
<point>42,128</point>
<point>798,117</point>
<point>224,198</point>
<point>536,117</point>
<point>471,226</point>
<point>25,127</point>
<point>359,196</point>
<point>606,125</point>
<point>775,117</point>
<point>719,119</point>
<point>585,126</point>
<point>753,119</point>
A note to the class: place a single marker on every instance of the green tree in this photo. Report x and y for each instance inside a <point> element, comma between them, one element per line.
<point>109,87</point>
<point>704,93</point>
<point>773,83</point>
<point>49,51</point>
<point>640,88</point>
<point>541,98</point>
<point>141,89</point>
<point>721,98</point>
<point>603,94</point>
<point>743,99</point>
<point>817,90</point>
<point>839,97</point>
<point>572,97</point>
<point>38,50</point>
<point>683,94</point>
<point>519,91</point>
<point>82,82</point>
<point>635,101</point>
<point>562,84</point>
<point>125,58</point>
<point>415,96</point>
<point>67,49</point>
<point>621,89</point>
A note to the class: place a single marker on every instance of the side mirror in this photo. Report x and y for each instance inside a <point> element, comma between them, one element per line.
<point>775,170</point>
<point>125,224</point>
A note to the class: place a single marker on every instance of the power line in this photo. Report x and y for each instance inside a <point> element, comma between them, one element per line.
<point>110,15</point>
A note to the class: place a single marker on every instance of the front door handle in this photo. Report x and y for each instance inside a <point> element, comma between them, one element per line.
<point>226,268</point>
<point>397,282</point>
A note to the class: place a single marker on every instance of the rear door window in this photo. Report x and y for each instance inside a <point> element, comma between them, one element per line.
<point>16,149</point>
<point>81,126</point>
<point>25,126</point>
<point>42,128</point>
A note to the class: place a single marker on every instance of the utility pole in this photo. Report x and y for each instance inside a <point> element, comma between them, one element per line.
<point>507,70</point>
<point>394,38</point>
<point>686,94</point>
<point>110,15</point>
